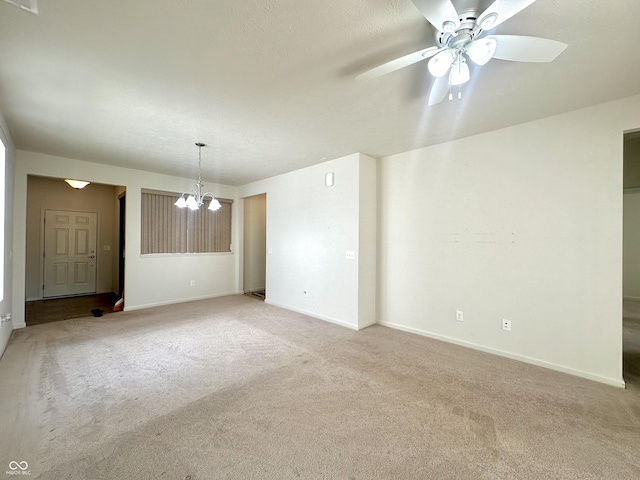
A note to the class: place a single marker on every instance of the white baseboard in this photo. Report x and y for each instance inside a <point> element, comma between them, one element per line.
<point>513,356</point>
<point>314,315</point>
<point>16,326</point>
<point>172,302</point>
<point>361,327</point>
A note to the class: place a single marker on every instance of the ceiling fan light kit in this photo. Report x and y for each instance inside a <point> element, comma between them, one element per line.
<point>440,63</point>
<point>481,51</point>
<point>459,72</point>
<point>459,35</point>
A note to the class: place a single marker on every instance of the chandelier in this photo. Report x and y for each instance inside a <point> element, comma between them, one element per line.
<point>195,199</point>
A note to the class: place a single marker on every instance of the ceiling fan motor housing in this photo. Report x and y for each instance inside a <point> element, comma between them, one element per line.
<point>463,35</point>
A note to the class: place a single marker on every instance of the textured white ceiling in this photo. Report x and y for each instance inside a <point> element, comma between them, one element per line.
<point>269,84</point>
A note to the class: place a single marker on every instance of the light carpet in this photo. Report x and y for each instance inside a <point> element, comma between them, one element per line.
<point>232,388</point>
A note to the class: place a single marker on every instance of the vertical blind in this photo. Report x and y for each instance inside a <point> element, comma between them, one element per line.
<point>169,229</point>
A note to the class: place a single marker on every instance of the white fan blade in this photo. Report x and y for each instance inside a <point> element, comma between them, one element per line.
<point>398,63</point>
<point>501,10</point>
<point>439,90</point>
<point>438,12</point>
<point>519,48</point>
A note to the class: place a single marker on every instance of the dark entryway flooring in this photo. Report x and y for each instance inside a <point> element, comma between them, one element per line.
<point>56,309</point>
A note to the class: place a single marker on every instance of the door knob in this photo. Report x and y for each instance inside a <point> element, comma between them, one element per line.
<point>92,256</point>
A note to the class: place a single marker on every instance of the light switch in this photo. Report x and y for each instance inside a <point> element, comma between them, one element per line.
<point>351,255</point>
<point>270,251</point>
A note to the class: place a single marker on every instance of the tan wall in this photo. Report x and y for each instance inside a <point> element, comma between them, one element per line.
<point>54,194</point>
<point>255,242</point>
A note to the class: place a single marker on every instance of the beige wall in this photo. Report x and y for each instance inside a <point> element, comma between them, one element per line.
<point>255,242</point>
<point>54,194</point>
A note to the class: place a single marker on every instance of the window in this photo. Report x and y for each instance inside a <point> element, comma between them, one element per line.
<point>169,229</point>
<point>3,152</point>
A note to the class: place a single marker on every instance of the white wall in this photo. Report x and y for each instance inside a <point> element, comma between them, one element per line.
<point>255,243</point>
<point>310,229</point>
<point>368,242</point>
<point>7,300</point>
<point>150,279</point>
<point>55,194</point>
<point>631,242</point>
<point>523,223</point>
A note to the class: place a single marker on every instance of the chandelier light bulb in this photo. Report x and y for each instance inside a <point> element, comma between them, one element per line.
<point>196,199</point>
<point>191,203</point>
<point>214,204</point>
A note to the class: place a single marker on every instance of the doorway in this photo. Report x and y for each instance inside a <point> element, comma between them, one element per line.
<point>122,203</point>
<point>255,246</point>
<point>631,259</point>
<point>77,282</point>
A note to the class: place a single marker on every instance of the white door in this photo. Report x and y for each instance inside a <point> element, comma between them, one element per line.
<point>69,253</point>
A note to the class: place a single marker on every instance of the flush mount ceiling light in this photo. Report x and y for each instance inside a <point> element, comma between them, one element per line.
<point>195,199</point>
<point>460,35</point>
<point>78,184</point>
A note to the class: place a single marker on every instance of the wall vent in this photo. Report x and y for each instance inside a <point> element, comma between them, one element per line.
<point>28,5</point>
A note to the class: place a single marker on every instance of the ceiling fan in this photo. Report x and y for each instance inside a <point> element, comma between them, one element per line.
<point>460,36</point>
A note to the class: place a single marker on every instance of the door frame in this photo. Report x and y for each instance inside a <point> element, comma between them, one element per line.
<point>244,242</point>
<point>122,219</point>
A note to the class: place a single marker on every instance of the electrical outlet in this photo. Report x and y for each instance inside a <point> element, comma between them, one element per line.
<point>305,293</point>
<point>506,325</point>
<point>459,316</point>
<point>192,283</point>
